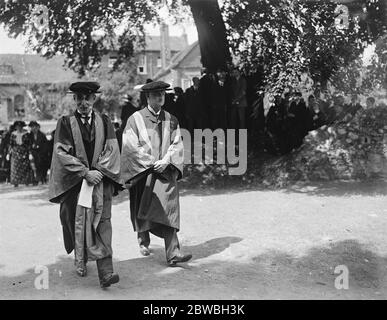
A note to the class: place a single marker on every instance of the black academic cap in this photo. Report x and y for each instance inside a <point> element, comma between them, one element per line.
<point>19,123</point>
<point>155,86</point>
<point>33,123</point>
<point>84,87</point>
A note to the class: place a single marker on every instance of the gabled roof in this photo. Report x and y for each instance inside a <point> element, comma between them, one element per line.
<point>188,58</point>
<point>30,68</point>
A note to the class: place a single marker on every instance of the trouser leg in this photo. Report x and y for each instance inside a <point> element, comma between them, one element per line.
<point>143,238</point>
<point>171,241</point>
<point>104,266</point>
<point>172,246</point>
<point>104,230</point>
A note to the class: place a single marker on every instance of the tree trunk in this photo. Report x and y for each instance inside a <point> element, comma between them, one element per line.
<point>213,42</point>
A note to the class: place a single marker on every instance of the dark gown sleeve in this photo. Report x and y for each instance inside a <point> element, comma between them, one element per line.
<point>109,161</point>
<point>66,170</point>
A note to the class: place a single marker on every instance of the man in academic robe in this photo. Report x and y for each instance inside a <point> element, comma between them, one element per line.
<point>85,169</point>
<point>151,165</point>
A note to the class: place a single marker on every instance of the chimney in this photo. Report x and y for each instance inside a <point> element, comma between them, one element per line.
<point>165,45</point>
<point>185,36</point>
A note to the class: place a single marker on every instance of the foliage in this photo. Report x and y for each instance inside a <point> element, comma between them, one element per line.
<point>290,38</point>
<point>117,84</point>
<point>354,148</point>
<point>81,30</point>
<point>44,109</point>
<point>364,78</point>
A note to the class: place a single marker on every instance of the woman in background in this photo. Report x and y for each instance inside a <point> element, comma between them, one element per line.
<point>20,145</point>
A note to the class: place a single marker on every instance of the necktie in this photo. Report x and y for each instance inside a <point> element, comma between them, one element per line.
<point>86,123</point>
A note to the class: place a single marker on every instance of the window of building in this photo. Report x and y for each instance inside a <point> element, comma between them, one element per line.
<point>112,61</point>
<point>141,68</point>
<point>6,69</point>
<point>158,62</point>
<point>52,98</point>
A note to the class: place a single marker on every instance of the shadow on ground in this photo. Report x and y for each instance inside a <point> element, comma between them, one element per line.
<point>271,275</point>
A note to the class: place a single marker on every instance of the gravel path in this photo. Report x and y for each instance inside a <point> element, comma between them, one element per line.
<point>261,244</point>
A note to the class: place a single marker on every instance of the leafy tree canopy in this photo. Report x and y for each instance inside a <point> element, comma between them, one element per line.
<point>284,38</point>
<point>82,30</point>
<point>292,37</point>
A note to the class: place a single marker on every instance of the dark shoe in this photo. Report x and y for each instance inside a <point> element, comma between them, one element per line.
<point>144,250</point>
<point>180,259</point>
<point>109,279</point>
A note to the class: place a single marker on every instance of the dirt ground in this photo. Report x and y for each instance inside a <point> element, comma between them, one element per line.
<point>257,244</point>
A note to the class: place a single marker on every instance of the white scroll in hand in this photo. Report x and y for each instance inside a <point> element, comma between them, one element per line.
<point>85,195</point>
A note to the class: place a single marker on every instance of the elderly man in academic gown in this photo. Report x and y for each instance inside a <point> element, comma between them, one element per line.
<point>85,170</point>
<point>151,165</point>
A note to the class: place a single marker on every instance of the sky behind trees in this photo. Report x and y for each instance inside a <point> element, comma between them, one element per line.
<point>10,45</point>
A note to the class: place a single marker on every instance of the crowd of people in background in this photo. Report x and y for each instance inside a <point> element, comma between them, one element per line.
<point>219,100</point>
<point>215,100</point>
<point>25,155</point>
<point>290,118</point>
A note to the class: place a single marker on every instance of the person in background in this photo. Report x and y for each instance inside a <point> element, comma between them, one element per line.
<point>239,102</point>
<point>169,104</point>
<point>4,150</point>
<point>277,127</point>
<point>20,147</point>
<point>127,110</point>
<point>370,102</point>
<point>298,118</point>
<point>180,107</point>
<point>331,111</point>
<point>206,82</point>
<point>220,100</point>
<point>354,106</point>
<point>317,118</point>
<point>39,151</point>
<point>322,103</point>
<point>194,106</point>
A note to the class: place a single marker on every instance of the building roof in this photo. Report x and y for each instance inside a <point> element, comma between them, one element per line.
<point>153,43</point>
<point>31,68</point>
<point>188,58</point>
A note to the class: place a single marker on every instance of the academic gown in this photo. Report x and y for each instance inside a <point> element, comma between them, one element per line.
<point>76,150</point>
<point>154,197</point>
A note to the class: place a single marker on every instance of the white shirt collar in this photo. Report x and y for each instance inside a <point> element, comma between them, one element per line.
<point>89,115</point>
<point>153,111</point>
